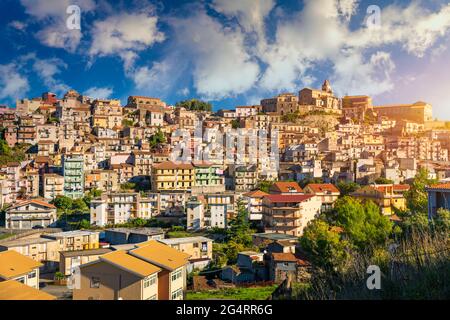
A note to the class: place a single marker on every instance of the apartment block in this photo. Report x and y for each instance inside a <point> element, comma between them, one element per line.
<point>289,214</point>
<point>150,271</point>
<point>73,170</point>
<point>29,214</point>
<point>198,248</point>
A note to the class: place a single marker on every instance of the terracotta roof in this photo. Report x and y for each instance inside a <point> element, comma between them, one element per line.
<point>401,187</point>
<point>202,164</point>
<point>395,187</point>
<point>445,186</point>
<point>322,187</point>
<point>160,254</point>
<point>35,201</point>
<point>172,165</point>
<point>256,194</point>
<point>288,197</point>
<point>283,187</point>
<point>284,257</point>
<point>14,264</point>
<point>14,290</point>
<point>124,260</point>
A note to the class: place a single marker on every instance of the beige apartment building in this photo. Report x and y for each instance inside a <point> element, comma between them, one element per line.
<point>30,213</point>
<point>198,248</point>
<point>289,214</point>
<point>75,240</point>
<point>45,251</point>
<point>173,176</point>
<point>327,193</point>
<point>72,259</point>
<point>149,271</point>
<point>52,185</point>
<point>103,180</point>
<point>14,266</point>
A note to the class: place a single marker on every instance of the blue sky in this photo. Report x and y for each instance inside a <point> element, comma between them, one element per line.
<point>230,52</point>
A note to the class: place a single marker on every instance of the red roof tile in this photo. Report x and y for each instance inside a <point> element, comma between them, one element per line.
<point>284,187</point>
<point>445,186</point>
<point>288,197</point>
<point>322,187</point>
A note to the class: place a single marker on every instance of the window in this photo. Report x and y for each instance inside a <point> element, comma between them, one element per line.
<point>95,282</point>
<point>177,294</point>
<point>32,275</point>
<point>153,297</point>
<point>150,281</point>
<point>177,274</point>
<point>21,280</point>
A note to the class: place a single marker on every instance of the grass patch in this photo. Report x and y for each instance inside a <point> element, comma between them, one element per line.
<point>253,293</point>
<point>6,235</point>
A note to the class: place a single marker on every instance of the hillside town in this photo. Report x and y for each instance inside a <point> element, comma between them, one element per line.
<point>181,200</point>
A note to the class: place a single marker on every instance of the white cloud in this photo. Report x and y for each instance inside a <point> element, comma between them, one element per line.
<point>101,93</point>
<point>320,35</point>
<point>18,25</point>
<point>184,92</point>
<point>146,78</point>
<point>125,35</point>
<point>414,27</point>
<point>222,66</point>
<point>250,13</point>
<point>354,76</point>
<point>13,83</point>
<point>47,69</point>
<point>52,15</point>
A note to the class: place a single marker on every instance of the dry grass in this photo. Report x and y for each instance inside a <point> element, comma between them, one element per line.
<point>419,268</point>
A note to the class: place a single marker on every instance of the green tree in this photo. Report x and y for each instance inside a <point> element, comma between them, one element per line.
<point>79,206</point>
<point>290,117</point>
<point>347,187</point>
<point>5,150</point>
<point>85,224</point>
<point>194,105</point>
<point>239,227</point>
<point>416,196</point>
<point>323,245</point>
<point>157,138</point>
<point>63,203</point>
<point>235,123</point>
<point>127,122</point>
<point>382,180</point>
<point>362,222</point>
<point>442,220</point>
<point>265,185</point>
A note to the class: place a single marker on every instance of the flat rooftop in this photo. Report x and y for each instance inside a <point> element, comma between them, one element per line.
<point>24,242</point>
<point>185,240</point>
<point>93,252</point>
<point>144,231</point>
<point>74,233</point>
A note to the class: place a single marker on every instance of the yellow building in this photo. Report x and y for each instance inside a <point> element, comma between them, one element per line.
<point>15,266</point>
<point>386,196</point>
<point>173,176</point>
<point>149,271</point>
